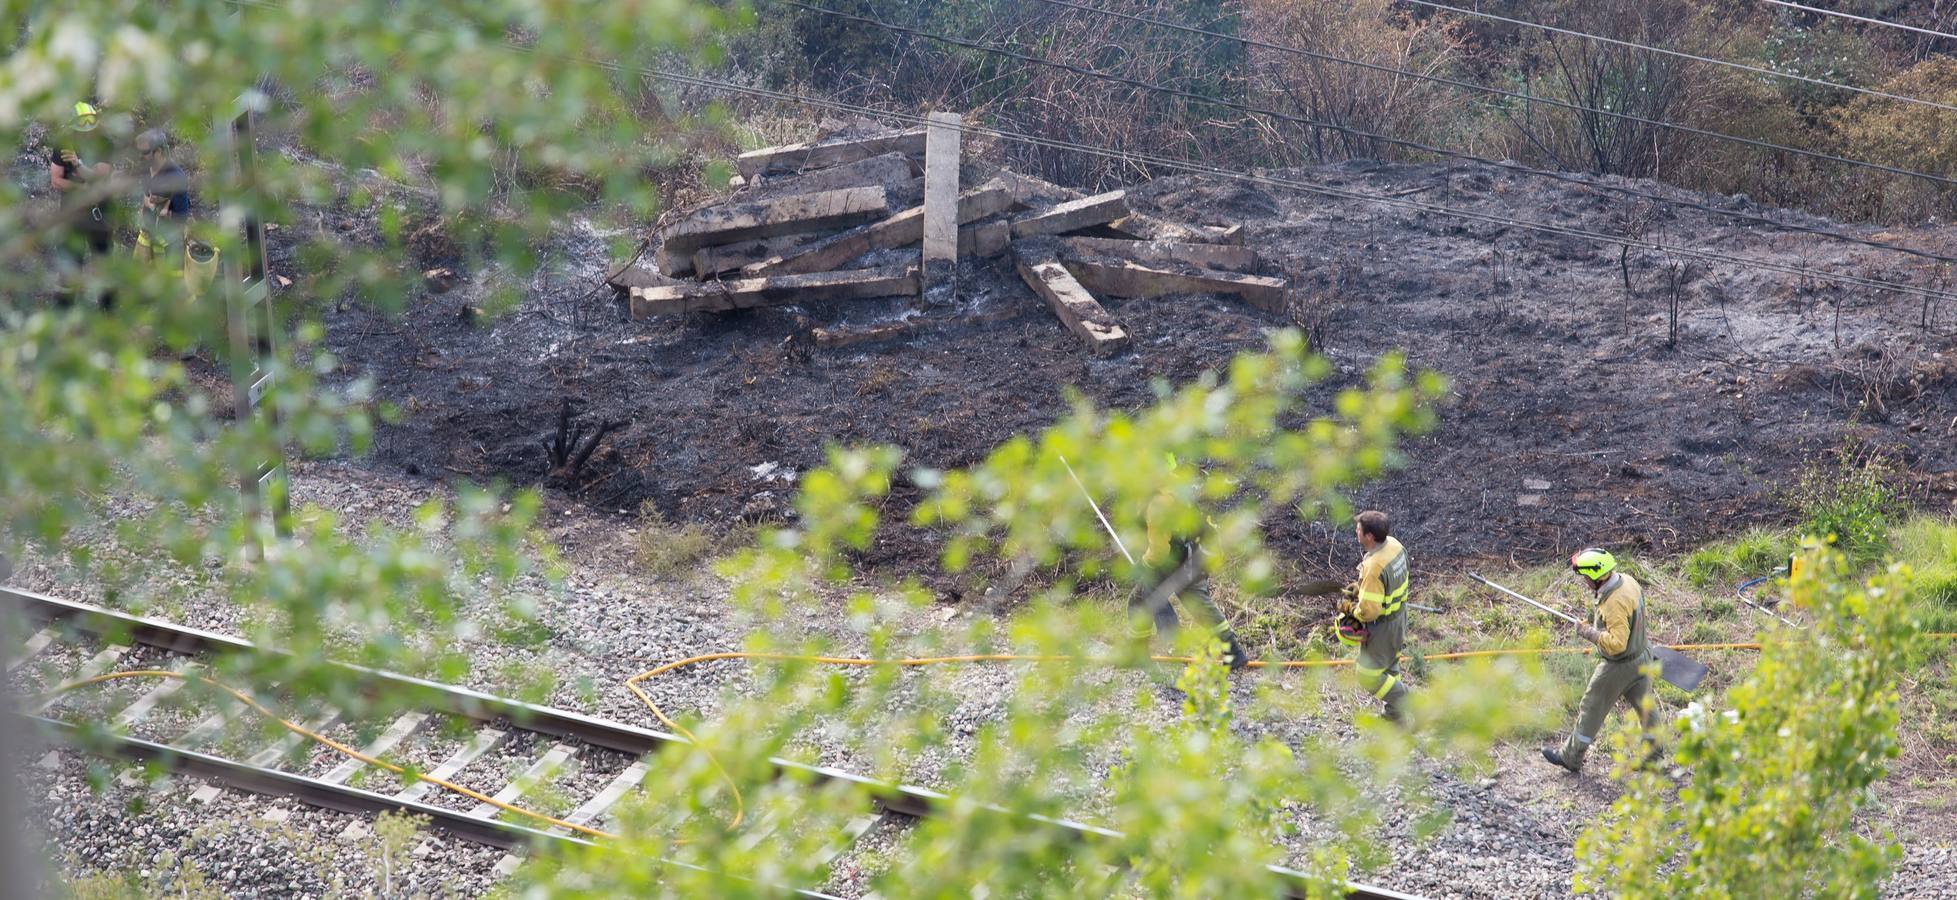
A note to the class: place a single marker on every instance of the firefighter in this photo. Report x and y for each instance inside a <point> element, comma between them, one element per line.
<point>1371,617</point>
<point>1174,563</point>
<point>88,217</point>
<point>1617,627</point>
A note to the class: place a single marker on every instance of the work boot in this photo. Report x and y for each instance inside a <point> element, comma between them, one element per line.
<point>1556,757</point>
<point>1234,654</point>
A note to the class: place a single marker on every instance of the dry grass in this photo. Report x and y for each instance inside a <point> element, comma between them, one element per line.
<point>678,551</point>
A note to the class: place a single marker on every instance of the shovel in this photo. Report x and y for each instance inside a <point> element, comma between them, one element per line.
<point>1680,670</point>
<point>1326,587</point>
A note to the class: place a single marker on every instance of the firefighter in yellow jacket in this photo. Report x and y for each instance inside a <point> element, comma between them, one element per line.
<point>1373,619</point>
<point>1173,564</point>
<point>1617,627</point>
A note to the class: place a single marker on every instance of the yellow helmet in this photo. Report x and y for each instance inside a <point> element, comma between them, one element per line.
<point>1593,563</point>
<point>84,116</point>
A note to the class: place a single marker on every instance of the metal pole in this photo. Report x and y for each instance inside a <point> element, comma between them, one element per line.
<point>1739,594</point>
<point>1118,545</point>
<point>1554,612</point>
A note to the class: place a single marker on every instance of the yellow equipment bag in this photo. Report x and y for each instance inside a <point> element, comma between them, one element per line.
<point>199,267</point>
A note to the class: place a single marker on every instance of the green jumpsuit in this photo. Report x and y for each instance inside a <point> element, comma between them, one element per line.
<point>1622,651</point>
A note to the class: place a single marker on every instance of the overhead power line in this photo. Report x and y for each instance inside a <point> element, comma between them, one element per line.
<point>1150,160</point>
<point>1863,19</point>
<point>1680,54</point>
<point>1361,133</point>
<point>1522,96</point>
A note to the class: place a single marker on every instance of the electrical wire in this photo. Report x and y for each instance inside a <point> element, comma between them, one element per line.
<point>1309,187</point>
<point>1863,19</point>
<point>1262,179</point>
<point>1361,133</point>
<point>1757,70</point>
<point>1522,96</point>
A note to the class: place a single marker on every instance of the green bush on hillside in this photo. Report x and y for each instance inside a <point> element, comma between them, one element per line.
<point>1849,504</point>
<point>1721,565</point>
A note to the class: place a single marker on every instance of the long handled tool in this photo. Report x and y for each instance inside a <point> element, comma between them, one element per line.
<point>1118,545</point>
<point>1739,593</point>
<point>1326,587</point>
<point>1682,671</point>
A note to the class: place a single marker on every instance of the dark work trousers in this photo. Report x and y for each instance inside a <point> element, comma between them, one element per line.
<point>1150,610</point>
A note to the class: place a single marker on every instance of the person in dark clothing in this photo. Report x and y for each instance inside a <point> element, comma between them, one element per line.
<point>87,217</point>
<point>166,202</point>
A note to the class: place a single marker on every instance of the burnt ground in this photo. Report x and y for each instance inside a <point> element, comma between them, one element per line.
<point>1558,374</point>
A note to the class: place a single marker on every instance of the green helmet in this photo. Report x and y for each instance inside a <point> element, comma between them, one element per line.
<point>84,116</point>
<point>1593,563</point>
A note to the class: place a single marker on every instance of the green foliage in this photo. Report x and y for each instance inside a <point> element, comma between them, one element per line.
<point>1824,51</point>
<point>1929,545</point>
<point>1875,129</point>
<point>1779,774</point>
<point>1720,565</point>
<point>1238,463</point>
<point>1849,504</point>
<point>120,465</point>
<point>395,836</point>
<point>1073,728</point>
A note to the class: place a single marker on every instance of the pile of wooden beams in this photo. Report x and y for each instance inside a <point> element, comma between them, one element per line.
<point>836,219</point>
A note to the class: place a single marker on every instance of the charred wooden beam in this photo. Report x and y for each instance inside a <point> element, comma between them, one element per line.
<point>784,290</point>
<point>1120,278</point>
<point>1039,266</point>
<point>740,221</point>
<point>823,154</point>
<point>1072,215</point>
<point>904,228</point>
<point>1175,253</point>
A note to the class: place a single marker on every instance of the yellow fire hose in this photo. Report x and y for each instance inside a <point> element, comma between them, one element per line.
<point>633,683</point>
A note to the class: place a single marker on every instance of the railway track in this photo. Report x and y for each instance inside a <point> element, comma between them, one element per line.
<point>498,746</point>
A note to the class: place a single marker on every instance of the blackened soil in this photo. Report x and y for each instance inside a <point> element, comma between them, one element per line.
<point>1559,374</point>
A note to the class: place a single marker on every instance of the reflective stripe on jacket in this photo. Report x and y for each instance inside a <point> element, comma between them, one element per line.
<point>1382,581</point>
<point>1619,616</point>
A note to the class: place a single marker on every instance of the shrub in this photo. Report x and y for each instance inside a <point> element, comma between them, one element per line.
<point>1777,778</point>
<point>1907,136</point>
<point>1371,31</point>
<point>1724,564</point>
<point>1850,503</point>
<point>1610,77</point>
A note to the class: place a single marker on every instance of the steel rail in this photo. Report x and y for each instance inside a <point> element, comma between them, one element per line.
<point>325,794</point>
<point>905,799</point>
